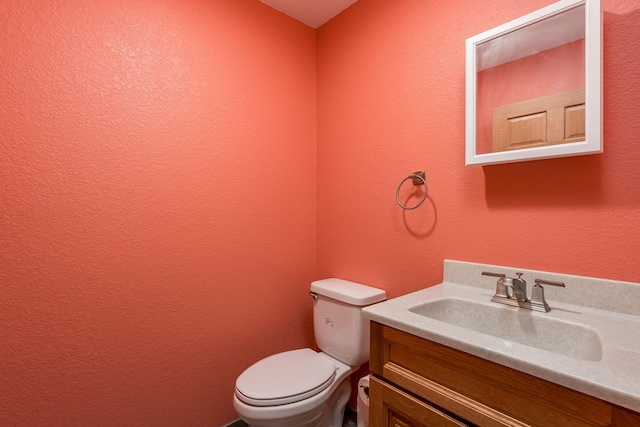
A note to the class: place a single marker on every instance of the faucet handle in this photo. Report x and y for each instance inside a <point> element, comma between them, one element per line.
<point>488,273</point>
<point>537,294</point>
<point>502,294</point>
<point>549,282</point>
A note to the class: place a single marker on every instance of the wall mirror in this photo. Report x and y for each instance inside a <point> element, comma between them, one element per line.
<point>534,86</point>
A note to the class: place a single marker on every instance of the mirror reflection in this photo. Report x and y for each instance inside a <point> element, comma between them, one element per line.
<point>530,85</point>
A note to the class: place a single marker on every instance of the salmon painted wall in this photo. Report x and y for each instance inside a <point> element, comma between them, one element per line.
<point>157,188</point>
<point>391,101</point>
<point>157,206</point>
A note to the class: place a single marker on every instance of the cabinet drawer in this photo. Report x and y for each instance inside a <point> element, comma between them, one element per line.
<point>480,391</point>
<point>397,408</point>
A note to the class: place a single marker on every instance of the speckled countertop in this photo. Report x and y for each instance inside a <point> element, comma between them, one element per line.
<point>607,310</point>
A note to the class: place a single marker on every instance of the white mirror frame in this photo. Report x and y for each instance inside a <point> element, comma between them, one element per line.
<point>593,88</point>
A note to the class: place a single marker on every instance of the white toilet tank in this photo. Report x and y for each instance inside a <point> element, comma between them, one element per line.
<point>340,329</point>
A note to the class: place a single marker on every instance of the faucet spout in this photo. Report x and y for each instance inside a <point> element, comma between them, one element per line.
<point>519,287</point>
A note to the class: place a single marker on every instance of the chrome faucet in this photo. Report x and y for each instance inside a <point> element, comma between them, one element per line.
<point>518,295</point>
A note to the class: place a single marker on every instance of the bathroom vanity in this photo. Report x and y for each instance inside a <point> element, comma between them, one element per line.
<point>449,356</point>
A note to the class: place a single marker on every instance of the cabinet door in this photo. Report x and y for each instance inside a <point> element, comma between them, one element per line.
<point>392,407</point>
<point>477,390</point>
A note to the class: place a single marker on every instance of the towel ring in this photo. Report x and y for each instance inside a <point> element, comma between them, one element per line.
<point>418,178</point>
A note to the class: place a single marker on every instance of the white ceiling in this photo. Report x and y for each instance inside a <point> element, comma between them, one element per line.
<point>314,13</point>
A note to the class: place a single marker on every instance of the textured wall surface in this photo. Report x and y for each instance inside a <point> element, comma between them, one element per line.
<point>157,188</point>
<point>157,206</point>
<point>391,101</point>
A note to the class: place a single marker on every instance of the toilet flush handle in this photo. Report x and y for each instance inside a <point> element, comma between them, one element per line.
<point>314,296</point>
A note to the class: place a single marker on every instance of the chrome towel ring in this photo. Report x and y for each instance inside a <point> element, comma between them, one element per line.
<point>418,178</point>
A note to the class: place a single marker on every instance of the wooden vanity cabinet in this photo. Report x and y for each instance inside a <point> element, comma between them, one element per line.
<point>417,382</point>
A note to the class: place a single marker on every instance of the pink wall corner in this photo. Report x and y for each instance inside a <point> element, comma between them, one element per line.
<point>391,101</point>
<point>157,206</point>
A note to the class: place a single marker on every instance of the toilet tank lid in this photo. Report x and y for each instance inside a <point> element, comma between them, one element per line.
<point>348,292</point>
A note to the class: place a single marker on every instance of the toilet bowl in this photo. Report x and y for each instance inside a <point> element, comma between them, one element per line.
<point>305,388</point>
<point>318,400</point>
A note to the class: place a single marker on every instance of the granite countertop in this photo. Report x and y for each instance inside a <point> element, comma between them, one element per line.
<point>607,310</point>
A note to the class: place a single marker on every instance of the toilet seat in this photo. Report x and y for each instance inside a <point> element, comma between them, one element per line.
<point>284,378</point>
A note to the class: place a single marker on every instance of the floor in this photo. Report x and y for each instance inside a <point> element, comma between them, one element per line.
<point>349,420</point>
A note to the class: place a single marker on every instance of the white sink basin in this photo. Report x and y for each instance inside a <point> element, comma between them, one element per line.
<point>520,326</point>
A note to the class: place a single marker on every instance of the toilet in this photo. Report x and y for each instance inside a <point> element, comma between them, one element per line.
<point>300,388</point>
